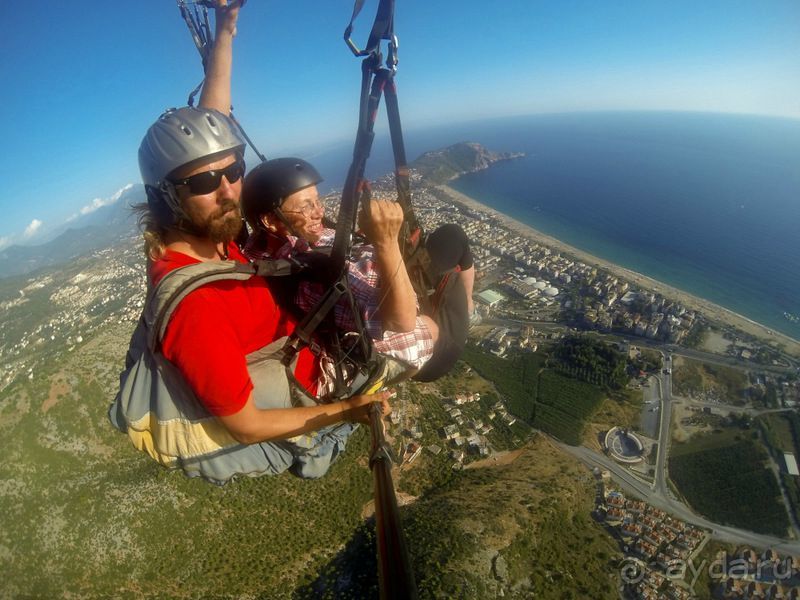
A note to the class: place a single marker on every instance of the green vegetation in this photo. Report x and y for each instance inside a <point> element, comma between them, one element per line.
<point>516,378</point>
<point>85,515</point>
<point>765,394</point>
<point>590,360</point>
<point>521,528</point>
<point>441,166</point>
<point>429,471</point>
<point>697,335</point>
<point>708,585</point>
<point>729,482</point>
<point>693,378</point>
<point>621,408</point>
<point>99,519</point>
<point>564,406</point>
<point>548,400</point>
<point>648,361</point>
<point>781,433</point>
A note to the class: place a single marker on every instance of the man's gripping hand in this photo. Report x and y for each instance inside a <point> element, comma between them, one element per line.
<point>381,220</point>
<point>227,13</point>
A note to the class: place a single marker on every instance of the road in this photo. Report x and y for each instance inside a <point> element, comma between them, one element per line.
<point>712,358</point>
<point>642,489</point>
<point>749,410</point>
<point>658,493</point>
<point>709,357</point>
<point>665,391</point>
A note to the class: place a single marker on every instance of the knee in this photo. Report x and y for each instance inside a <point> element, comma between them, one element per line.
<point>432,327</point>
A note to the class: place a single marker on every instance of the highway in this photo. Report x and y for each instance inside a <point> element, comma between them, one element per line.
<point>642,489</point>
<point>658,493</point>
<point>709,357</point>
<point>665,391</point>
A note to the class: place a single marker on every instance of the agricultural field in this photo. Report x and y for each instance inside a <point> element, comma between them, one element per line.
<point>548,400</point>
<point>726,478</point>
<point>781,432</point>
<point>564,406</point>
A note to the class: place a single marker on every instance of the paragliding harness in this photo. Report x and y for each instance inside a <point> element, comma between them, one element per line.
<point>354,356</point>
<point>435,289</point>
<point>159,411</point>
<point>432,288</point>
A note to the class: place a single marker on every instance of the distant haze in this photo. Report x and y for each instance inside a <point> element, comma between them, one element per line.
<point>85,84</point>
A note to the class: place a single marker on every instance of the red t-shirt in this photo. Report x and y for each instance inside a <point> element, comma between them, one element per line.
<point>216,326</point>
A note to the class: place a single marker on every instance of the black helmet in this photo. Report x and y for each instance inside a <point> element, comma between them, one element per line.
<point>269,183</point>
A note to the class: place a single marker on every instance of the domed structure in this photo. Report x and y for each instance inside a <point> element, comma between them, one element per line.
<point>540,285</point>
<point>529,280</point>
<point>551,291</point>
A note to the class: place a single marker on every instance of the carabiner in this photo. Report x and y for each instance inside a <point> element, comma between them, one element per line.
<point>391,55</point>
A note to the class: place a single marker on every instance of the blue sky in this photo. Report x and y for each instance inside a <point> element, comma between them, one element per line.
<point>85,80</point>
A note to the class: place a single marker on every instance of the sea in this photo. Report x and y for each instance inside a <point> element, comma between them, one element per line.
<point>708,203</point>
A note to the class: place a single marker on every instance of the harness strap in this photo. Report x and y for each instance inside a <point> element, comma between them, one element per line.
<point>302,335</point>
<point>200,29</point>
<point>164,298</point>
<point>410,235</point>
<point>354,183</point>
<point>382,27</point>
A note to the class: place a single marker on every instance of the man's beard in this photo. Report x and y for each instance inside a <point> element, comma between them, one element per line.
<point>221,226</point>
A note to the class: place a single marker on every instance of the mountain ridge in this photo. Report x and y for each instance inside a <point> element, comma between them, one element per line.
<point>89,232</point>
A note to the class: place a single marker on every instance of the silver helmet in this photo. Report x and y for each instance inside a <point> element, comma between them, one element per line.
<point>184,135</point>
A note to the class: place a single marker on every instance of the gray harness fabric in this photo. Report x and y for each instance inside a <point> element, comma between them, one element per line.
<point>163,417</point>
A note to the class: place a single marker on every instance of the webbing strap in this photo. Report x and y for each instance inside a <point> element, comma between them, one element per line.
<point>354,183</point>
<point>164,298</point>
<point>410,234</point>
<point>200,29</point>
<point>304,331</point>
<point>382,27</point>
<point>376,81</point>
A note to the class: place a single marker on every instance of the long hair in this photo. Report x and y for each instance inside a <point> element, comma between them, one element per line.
<point>154,219</point>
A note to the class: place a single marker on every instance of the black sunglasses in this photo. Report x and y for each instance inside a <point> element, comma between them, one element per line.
<point>208,181</point>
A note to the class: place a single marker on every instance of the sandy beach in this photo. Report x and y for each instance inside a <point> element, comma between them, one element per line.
<point>713,312</point>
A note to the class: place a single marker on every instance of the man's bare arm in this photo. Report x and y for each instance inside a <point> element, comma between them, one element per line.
<point>252,425</point>
<point>381,221</point>
<point>216,92</point>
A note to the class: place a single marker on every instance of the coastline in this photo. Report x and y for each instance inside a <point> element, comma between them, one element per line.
<point>712,312</point>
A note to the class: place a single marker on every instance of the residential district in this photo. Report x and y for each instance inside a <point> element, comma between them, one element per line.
<point>521,282</point>
<point>661,557</point>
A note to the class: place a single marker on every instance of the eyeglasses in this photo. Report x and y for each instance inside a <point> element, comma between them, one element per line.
<point>306,209</point>
<point>208,181</point>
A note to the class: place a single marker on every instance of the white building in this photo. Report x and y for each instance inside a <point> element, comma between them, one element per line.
<point>791,463</point>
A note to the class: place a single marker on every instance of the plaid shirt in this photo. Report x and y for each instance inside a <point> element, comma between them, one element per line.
<point>414,347</point>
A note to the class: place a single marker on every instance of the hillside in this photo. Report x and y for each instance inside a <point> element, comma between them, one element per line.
<point>440,166</point>
<point>514,527</point>
<point>86,233</point>
<point>99,519</point>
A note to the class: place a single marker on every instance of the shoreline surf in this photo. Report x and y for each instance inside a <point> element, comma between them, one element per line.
<point>712,312</point>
